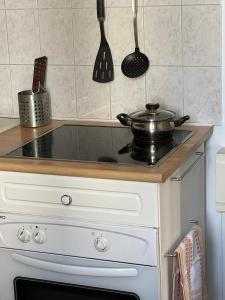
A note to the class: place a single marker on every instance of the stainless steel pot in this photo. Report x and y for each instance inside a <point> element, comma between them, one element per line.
<point>149,152</point>
<point>152,123</point>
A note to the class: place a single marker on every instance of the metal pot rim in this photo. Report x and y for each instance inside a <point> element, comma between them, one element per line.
<point>138,119</point>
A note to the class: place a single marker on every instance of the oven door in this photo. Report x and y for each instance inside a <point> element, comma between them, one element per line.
<point>34,274</point>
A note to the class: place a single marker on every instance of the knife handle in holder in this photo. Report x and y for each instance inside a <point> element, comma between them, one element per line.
<point>40,65</point>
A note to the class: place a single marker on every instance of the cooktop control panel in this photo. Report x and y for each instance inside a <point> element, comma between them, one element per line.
<point>106,242</point>
<point>38,235</point>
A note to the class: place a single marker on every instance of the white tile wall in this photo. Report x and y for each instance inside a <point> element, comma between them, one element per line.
<point>92,98</point>
<point>163,35</point>
<point>164,85</point>
<point>201,46</point>
<point>181,37</point>
<point>56,35</point>
<point>14,4</point>
<point>21,80</point>
<point>4,54</point>
<point>83,3</point>
<point>121,3</point>
<point>86,36</point>
<point>202,93</point>
<point>162,2</point>
<point>23,36</point>
<point>6,107</point>
<point>60,83</point>
<point>54,3</point>
<point>127,94</point>
<point>196,2</point>
<point>120,32</point>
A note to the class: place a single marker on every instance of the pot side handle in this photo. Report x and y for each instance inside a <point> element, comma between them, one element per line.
<point>125,149</point>
<point>124,119</point>
<point>181,121</point>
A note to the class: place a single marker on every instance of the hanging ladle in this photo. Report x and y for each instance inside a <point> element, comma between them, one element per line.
<point>136,63</point>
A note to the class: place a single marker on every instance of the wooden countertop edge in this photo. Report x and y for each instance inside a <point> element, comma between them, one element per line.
<point>13,138</point>
<point>79,170</point>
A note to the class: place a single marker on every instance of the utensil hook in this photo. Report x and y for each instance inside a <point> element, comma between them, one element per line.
<point>135,11</point>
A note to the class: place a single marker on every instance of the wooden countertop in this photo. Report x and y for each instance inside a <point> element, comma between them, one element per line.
<point>15,137</point>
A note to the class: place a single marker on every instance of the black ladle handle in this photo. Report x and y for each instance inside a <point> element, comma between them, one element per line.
<point>101,10</point>
<point>101,18</point>
<point>181,121</point>
<point>135,11</point>
<point>124,119</point>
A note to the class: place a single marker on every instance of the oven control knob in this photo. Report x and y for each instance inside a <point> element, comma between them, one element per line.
<point>23,235</point>
<point>66,200</point>
<point>39,236</point>
<point>101,244</point>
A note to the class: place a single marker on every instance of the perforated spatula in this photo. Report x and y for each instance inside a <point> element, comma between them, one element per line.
<point>103,69</point>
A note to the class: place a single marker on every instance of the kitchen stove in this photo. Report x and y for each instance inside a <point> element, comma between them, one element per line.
<point>76,260</point>
<point>100,144</point>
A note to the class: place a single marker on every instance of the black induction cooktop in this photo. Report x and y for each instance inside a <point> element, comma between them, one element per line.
<point>100,144</point>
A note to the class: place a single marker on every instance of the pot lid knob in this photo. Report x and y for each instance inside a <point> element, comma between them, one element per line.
<point>152,107</point>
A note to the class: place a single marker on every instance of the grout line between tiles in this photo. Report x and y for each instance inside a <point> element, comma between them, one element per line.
<point>110,99</point>
<point>39,29</point>
<point>9,60</point>
<point>75,68</point>
<point>116,65</point>
<point>182,54</point>
<point>7,37</point>
<point>110,85</point>
<point>75,87</point>
<point>145,84</point>
<point>93,7</point>
<point>11,86</point>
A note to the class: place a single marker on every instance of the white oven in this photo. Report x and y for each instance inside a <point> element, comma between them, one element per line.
<point>43,258</point>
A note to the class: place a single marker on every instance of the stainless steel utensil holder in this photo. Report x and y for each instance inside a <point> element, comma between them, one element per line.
<point>34,109</point>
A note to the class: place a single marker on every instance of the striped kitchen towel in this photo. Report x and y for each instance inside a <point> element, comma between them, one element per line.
<point>189,281</point>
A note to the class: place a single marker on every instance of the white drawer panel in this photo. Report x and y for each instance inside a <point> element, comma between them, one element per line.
<point>81,198</point>
<point>92,199</point>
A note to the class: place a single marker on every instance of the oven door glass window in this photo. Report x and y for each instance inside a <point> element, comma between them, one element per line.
<point>26,289</point>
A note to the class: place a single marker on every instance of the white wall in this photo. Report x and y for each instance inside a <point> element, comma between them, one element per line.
<point>215,256</point>
<point>214,243</point>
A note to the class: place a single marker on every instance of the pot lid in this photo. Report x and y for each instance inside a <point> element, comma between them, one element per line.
<point>152,113</point>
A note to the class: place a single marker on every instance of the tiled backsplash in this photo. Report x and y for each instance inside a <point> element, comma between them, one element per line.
<point>181,37</point>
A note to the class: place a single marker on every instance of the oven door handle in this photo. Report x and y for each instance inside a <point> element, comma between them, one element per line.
<point>74,270</point>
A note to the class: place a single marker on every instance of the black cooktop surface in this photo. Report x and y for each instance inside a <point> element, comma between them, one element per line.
<point>99,144</point>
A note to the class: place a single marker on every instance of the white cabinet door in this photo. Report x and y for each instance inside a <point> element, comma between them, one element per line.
<point>182,201</point>
<point>192,195</point>
<point>101,200</point>
<point>223,250</point>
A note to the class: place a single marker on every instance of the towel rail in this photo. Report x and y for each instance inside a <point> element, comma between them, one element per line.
<point>174,254</point>
<point>181,177</point>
